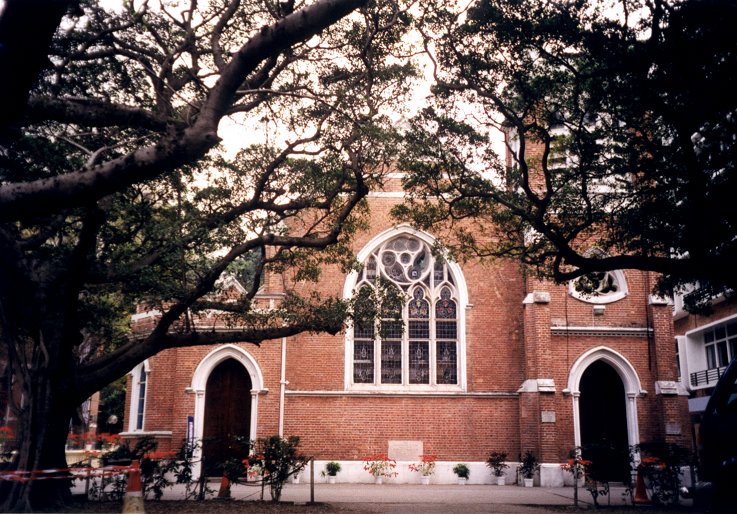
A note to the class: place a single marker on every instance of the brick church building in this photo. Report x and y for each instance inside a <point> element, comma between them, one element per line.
<point>489,359</point>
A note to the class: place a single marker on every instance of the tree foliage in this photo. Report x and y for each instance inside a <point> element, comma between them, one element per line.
<point>620,119</point>
<point>115,189</point>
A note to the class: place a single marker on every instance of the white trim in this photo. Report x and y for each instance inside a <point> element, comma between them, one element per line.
<point>461,289</point>
<point>403,393</point>
<point>535,385</point>
<point>562,330</point>
<point>230,281</point>
<point>135,374</point>
<point>151,433</point>
<point>199,385</point>
<point>692,351</point>
<point>704,328</point>
<point>218,355</point>
<point>630,381</point>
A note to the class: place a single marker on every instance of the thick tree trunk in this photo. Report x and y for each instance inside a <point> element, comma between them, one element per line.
<point>42,431</point>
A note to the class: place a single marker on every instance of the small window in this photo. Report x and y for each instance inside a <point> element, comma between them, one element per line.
<point>137,420</point>
<point>720,344</point>
<point>141,407</point>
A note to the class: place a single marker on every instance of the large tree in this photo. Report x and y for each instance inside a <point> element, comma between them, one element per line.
<point>620,120</point>
<point>115,190</point>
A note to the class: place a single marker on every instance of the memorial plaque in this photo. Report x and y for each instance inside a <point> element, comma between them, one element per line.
<point>405,450</point>
<point>673,429</point>
<point>548,416</point>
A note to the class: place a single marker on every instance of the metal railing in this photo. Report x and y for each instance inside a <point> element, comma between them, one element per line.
<point>707,376</point>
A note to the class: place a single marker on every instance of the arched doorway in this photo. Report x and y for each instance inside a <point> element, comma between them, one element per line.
<point>603,417</point>
<point>227,414</point>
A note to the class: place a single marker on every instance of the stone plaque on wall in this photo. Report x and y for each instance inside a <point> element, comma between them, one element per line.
<point>405,450</point>
<point>548,416</point>
<point>673,429</point>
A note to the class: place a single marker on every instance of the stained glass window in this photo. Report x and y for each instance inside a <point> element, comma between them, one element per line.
<point>419,344</point>
<point>419,362</point>
<point>447,363</point>
<point>391,362</point>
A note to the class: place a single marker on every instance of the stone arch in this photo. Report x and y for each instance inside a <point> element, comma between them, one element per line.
<point>199,385</point>
<point>218,355</point>
<point>630,381</point>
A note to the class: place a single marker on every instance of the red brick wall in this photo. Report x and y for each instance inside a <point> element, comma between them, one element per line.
<point>506,343</point>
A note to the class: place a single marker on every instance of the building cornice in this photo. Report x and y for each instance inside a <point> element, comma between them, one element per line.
<point>601,331</point>
<point>402,394</point>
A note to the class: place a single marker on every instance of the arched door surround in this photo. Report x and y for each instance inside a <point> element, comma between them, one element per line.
<point>199,388</point>
<point>227,415</point>
<point>630,382</point>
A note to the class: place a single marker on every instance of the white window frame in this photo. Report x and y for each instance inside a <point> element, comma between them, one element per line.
<point>136,409</point>
<point>621,292</point>
<point>459,295</point>
<point>727,339</point>
<point>599,299</point>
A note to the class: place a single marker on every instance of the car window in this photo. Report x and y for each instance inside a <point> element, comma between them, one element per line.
<point>731,405</point>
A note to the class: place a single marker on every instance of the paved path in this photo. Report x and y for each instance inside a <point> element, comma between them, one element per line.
<point>462,499</point>
<point>430,499</point>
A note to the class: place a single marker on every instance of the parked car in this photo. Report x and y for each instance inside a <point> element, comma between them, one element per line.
<point>718,444</point>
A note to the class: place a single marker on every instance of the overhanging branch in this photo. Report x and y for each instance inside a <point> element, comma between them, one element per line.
<point>179,147</point>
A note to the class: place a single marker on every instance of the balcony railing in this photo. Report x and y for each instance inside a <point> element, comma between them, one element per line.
<point>706,376</point>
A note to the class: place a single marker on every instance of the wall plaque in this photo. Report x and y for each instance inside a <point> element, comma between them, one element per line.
<point>547,416</point>
<point>405,450</point>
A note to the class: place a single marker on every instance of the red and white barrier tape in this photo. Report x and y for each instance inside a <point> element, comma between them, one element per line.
<point>62,473</point>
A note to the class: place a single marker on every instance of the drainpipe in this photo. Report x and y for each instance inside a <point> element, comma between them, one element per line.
<point>283,384</point>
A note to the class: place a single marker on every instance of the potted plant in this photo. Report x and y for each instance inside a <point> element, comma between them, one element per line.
<point>463,472</point>
<point>497,463</point>
<point>426,467</point>
<point>528,467</point>
<point>380,466</point>
<point>331,470</point>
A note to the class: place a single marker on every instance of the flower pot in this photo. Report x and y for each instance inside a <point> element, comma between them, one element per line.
<point>501,480</point>
<point>331,479</point>
<point>462,481</point>
<point>528,482</point>
<point>378,480</point>
<point>425,480</point>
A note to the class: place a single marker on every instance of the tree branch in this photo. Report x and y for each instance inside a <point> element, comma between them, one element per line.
<point>94,113</point>
<point>29,199</point>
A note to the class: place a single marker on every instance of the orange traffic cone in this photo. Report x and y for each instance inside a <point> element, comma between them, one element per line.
<point>224,492</point>
<point>640,491</point>
<point>133,501</point>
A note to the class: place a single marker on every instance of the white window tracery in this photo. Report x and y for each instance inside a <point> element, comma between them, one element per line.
<point>420,346</point>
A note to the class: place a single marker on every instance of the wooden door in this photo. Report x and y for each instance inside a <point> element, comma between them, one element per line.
<point>227,414</point>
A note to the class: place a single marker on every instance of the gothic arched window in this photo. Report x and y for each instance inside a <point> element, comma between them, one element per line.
<point>419,346</point>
